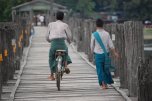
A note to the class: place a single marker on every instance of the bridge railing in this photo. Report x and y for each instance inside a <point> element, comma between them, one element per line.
<point>13,38</point>
<point>145,80</point>
<point>129,42</point>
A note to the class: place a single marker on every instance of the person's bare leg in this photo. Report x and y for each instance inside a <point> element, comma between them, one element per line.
<point>65,64</point>
<point>67,70</point>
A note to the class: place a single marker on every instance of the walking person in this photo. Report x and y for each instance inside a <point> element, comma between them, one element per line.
<point>41,18</point>
<point>58,33</point>
<point>104,76</point>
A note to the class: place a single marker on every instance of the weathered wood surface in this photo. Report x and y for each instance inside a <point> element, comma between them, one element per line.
<point>134,51</point>
<point>80,85</point>
<point>9,53</point>
<point>117,35</point>
<point>11,44</point>
<point>0,66</point>
<point>7,89</point>
<point>145,80</point>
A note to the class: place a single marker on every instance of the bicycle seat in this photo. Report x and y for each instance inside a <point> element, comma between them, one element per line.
<point>60,50</point>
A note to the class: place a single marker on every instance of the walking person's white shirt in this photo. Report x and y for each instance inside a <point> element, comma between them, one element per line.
<point>105,37</point>
<point>58,29</point>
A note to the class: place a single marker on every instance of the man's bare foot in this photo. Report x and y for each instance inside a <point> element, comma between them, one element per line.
<point>51,77</point>
<point>104,87</point>
<point>67,70</point>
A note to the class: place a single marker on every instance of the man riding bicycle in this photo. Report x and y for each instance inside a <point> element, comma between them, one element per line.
<point>58,33</point>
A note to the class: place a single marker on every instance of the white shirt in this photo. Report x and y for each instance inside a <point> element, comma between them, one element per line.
<point>105,37</point>
<point>41,18</point>
<point>58,29</point>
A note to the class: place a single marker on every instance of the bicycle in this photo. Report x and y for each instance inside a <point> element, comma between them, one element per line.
<point>59,67</point>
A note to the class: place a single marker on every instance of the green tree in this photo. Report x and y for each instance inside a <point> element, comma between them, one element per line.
<point>6,8</point>
<point>133,9</point>
<point>85,7</point>
<point>138,9</point>
<point>114,5</point>
<point>71,4</point>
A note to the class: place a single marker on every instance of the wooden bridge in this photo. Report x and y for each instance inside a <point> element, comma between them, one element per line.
<point>80,85</point>
<point>24,68</point>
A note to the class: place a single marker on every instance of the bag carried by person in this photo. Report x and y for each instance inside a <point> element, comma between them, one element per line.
<point>108,67</point>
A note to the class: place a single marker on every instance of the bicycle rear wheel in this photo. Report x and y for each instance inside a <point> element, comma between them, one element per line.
<point>58,72</point>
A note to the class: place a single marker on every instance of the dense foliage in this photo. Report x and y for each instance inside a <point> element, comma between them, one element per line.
<point>6,7</point>
<point>132,9</point>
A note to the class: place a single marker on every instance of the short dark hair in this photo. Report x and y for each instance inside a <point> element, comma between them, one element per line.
<point>59,15</point>
<point>99,23</point>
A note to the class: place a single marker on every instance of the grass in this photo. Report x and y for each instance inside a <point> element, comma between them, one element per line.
<point>147,33</point>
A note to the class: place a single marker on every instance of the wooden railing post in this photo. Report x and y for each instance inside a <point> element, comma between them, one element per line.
<point>13,38</point>
<point>80,35</point>
<point>122,61</point>
<point>5,63</point>
<point>114,32</point>
<point>86,36</point>
<point>0,63</point>
<point>145,80</point>
<point>133,32</point>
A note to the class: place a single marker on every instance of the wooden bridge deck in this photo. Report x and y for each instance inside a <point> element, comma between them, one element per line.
<point>80,85</point>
